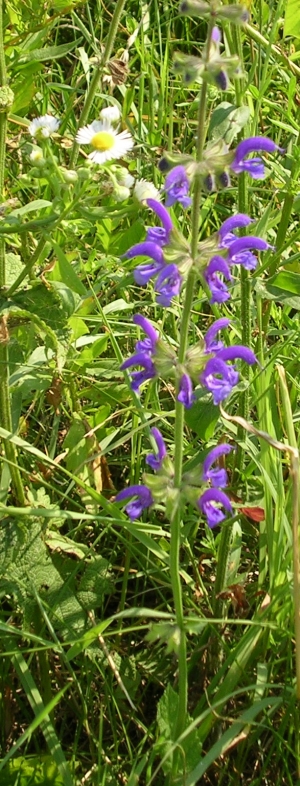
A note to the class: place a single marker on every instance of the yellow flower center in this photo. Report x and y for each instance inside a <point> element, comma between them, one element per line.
<point>103,141</point>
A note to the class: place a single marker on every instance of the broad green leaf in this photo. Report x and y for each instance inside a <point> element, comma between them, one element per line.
<point>33,770</point>
<point>64,272</point>
<point>14,266</point>
<point>284,286</point>
<point>48,52</point>
<point>37,204</point>
<point>227,121</point>
<point>167,715</point>
<point>292,19</point>
<point>203,416</point>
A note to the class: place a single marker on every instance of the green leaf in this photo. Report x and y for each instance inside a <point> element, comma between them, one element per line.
<point>37,204</point>
<point>14,266</point>
<point>48,52</point>
<point>64,272</point>
<point>190,747</point>
<point>227,121</point>
<point>284,286</point>
<point>203,416</point>
<point>292,19</point>
<point>33,770</point>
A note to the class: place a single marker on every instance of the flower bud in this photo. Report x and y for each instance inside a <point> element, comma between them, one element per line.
<point>36,157</point>
<point>84,173</point>
<point>121,193</point>
<point>195,8</point>
<point>237,14</point>
<point>69,175</point>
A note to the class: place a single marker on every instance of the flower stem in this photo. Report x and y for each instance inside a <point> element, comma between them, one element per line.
<point>5,409</point>
<point>179,420</point>
<point>97,74</point>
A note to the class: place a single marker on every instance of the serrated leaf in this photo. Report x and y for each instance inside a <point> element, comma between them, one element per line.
<point>167,714</point>
<point>292,19</point>
<point>14,267</point>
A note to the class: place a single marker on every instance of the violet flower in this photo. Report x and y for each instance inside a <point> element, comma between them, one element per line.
<point>240,254</point>
<point>211,345</point>
<point>143,356</point>
<point>217,477</point>
<point>168,284</point>
<point>219,291</point>
<point>207,504</point>
<point>255,166</point>
<point>185,394</point>
<point>143,273</point>
<point>238,221</point>
<point>159,235</point>
<point>177,187</point>
<point>136,507</point>
<point>219,379</point>
<point>155,460</point>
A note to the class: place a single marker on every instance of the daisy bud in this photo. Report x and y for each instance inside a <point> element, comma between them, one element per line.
<point>144,190</point>
<point>121,193</point>
<point>110,113</point>
<point>69,175</point>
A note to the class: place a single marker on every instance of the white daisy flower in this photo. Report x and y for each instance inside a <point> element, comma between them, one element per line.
<point>144,189</point>
<point>105,140</point>
<point>110,113</point>
<point>43,127</point>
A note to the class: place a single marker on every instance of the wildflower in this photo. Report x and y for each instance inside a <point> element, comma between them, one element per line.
<point>254,166</point>
<point>144,354</point>
<point>124,177</point>
<point>111,114</point>
<point>168,284</point>
<point>155,460</point>
<point>144,190</point>
<point>105,140</point>
<point>159,235</point>
<point>211,345</point>
<point>176,187</point>
<point>143,500</point>
<point>239,252</point>
<point>217,477</point>
<point>43,127</point>
<point>219,291</point>
<point>143,273</point>
<point>185,394</point>
<point>208,505</point>
<point>220,378</point>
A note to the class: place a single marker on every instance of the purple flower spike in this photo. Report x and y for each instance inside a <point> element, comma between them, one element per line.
<point>144,360</point>
<point>217,477</point>
<point>232,223</point>
<point>148,343</point>
<point>238,351</point>
<point>168,284</point>
<point>219,291</point>
<point>209,339</point>
<point>146,249</point>
<point>136,507</point>
<point>219,379</point>
<point>186,395</point>
<point>177,187</point>
<point>207,504</point>
<point>255,166</point>
<point>155,461</point>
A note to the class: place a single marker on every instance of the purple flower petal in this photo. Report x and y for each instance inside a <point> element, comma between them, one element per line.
<point>136,507</point>
<point>217,287</point>
<point>217,477</point>
<point>155,461</point>
<point>234,222</point>
<point>157,235</point>
<point>143,273</point>
<point>219,378</point>
<point>177,187</point>
<point>207,504</point>
<point>209,339</point>
<point>161,213</point>
<point>255,144</point>
<point>216,35</point>
<point>147,327</point>
<point>238,351</point>
<point>146,249</point>
<point>244,243</point>
<point>186,395</point>
<point>139,359</point>
<point>168,284</point>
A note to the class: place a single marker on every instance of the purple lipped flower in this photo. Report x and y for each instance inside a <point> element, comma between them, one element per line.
<point>219,291</point>
<point>157,235</point>
<point>177,187</point>
<point>216,35</point>
<point>226,230</point>
<point>208,502</point>
<point>219,378</point>
<point>168,284</point>
<point>143,273</point>
<point>136,507</point>
<point>186,395</point>
<point>146,249</point>
<point>147,344</point>
<point>162,214</point>
<point>155,460</point>
<point>211,345</point>
<point>217,477</point>
<point>237,351</point>
<point>255,166</point>
<point>239,250</point>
